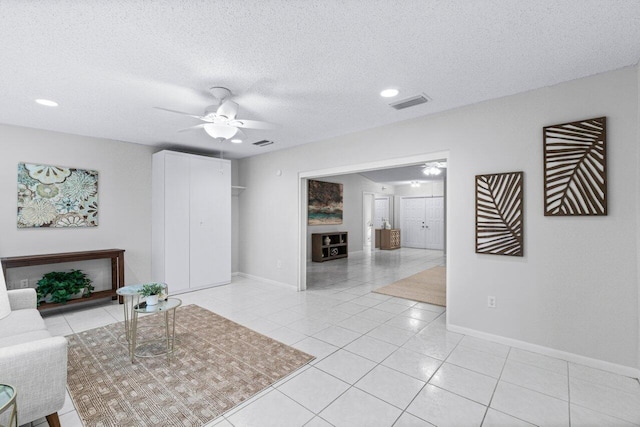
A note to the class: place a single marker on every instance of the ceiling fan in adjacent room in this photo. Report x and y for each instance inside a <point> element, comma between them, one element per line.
<point>434,168</point>
<point>221,122</point>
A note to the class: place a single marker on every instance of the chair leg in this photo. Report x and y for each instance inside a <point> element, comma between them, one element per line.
<point>53,420</point>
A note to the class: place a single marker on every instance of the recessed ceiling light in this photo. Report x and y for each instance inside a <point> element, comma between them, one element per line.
<point>389,93</point>
<point>236,141</point>
<point>47,102</point>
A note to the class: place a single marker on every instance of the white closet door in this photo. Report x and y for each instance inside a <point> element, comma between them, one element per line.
<point>221,216</point>
<point>176,221</point>
<point>210,230</point>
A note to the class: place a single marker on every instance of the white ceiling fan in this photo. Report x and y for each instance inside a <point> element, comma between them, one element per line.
<point>434,168</point>
<point>221,122</point>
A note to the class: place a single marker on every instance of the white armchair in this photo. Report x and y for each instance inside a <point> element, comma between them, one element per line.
<point>31,360</point>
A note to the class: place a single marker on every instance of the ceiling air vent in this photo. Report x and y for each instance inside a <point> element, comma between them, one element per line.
<point>410,102</point>
<point>263,143</point>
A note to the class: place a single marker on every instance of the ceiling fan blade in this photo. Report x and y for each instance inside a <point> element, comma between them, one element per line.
<point>201,126</point>
<point>253,124</point>
<point>228,109</point>
<point>239,137</point>
<point>179,112</point>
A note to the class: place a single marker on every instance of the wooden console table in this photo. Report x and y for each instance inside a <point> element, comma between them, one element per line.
<point>389,239</point>
<point>117,269</point>
<point>330,245</point>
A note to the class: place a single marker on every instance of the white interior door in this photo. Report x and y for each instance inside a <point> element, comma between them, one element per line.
<point>434,223</point>
<point>210,231</point>
<point>367,220</point>
<point>381,211</point>
<point>412,230</point>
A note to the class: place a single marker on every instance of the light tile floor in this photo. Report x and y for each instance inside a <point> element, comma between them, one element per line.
<point>385,361</point>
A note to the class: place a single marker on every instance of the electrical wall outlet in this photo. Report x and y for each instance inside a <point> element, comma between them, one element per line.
<point>491,301</point>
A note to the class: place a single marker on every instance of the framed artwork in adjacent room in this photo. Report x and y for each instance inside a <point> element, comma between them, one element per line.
<point>324,203</point>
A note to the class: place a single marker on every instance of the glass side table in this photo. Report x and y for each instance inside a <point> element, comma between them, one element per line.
<point>167,308</point>
<point>131,298</point>
<point>8,400</point>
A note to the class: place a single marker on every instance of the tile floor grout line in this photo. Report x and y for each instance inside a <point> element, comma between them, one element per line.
<point>633,423</point>
<point>361,377</point>
<point>605,385</point>
<point>496,386</point>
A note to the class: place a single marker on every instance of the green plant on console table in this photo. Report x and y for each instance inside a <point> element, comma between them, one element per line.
<point>63,285</point>
<point>149,289</point>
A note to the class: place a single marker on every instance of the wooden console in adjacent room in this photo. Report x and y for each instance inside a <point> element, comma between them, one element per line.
<point>389,239</point>
<point>329,246</point>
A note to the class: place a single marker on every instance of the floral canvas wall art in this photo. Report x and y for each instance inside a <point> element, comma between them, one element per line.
<point>325,203</point>
<point>55,196</point>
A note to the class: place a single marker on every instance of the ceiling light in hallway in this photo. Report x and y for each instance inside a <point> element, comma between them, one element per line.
<point>47,102</point>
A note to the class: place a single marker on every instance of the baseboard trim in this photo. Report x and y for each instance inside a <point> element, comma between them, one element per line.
<point>547,351</point>
<point>268,281</point>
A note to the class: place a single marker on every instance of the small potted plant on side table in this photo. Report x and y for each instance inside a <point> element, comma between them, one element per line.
<point>151,291</point>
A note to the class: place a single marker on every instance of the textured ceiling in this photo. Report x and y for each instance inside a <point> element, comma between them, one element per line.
<point>313,67</point>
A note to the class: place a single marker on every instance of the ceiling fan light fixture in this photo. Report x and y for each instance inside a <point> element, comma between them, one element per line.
<point>389,93</point>
<point>434,168</point>
<point>220,131</point>
<point>431,171</point>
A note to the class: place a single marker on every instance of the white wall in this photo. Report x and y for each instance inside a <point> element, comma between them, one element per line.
<point>353,185</point>
<point>576,288</point>
<point>124,197</point>
<point>638,216</point>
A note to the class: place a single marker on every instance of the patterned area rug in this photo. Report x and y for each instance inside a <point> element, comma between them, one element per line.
<point>427,286</point>
<point>217,365</point>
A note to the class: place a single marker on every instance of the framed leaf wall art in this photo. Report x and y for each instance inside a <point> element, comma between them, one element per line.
<point>499,214</point>
<point>575,168</point>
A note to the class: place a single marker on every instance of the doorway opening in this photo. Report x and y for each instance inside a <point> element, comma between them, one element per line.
<point>368,216</point>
